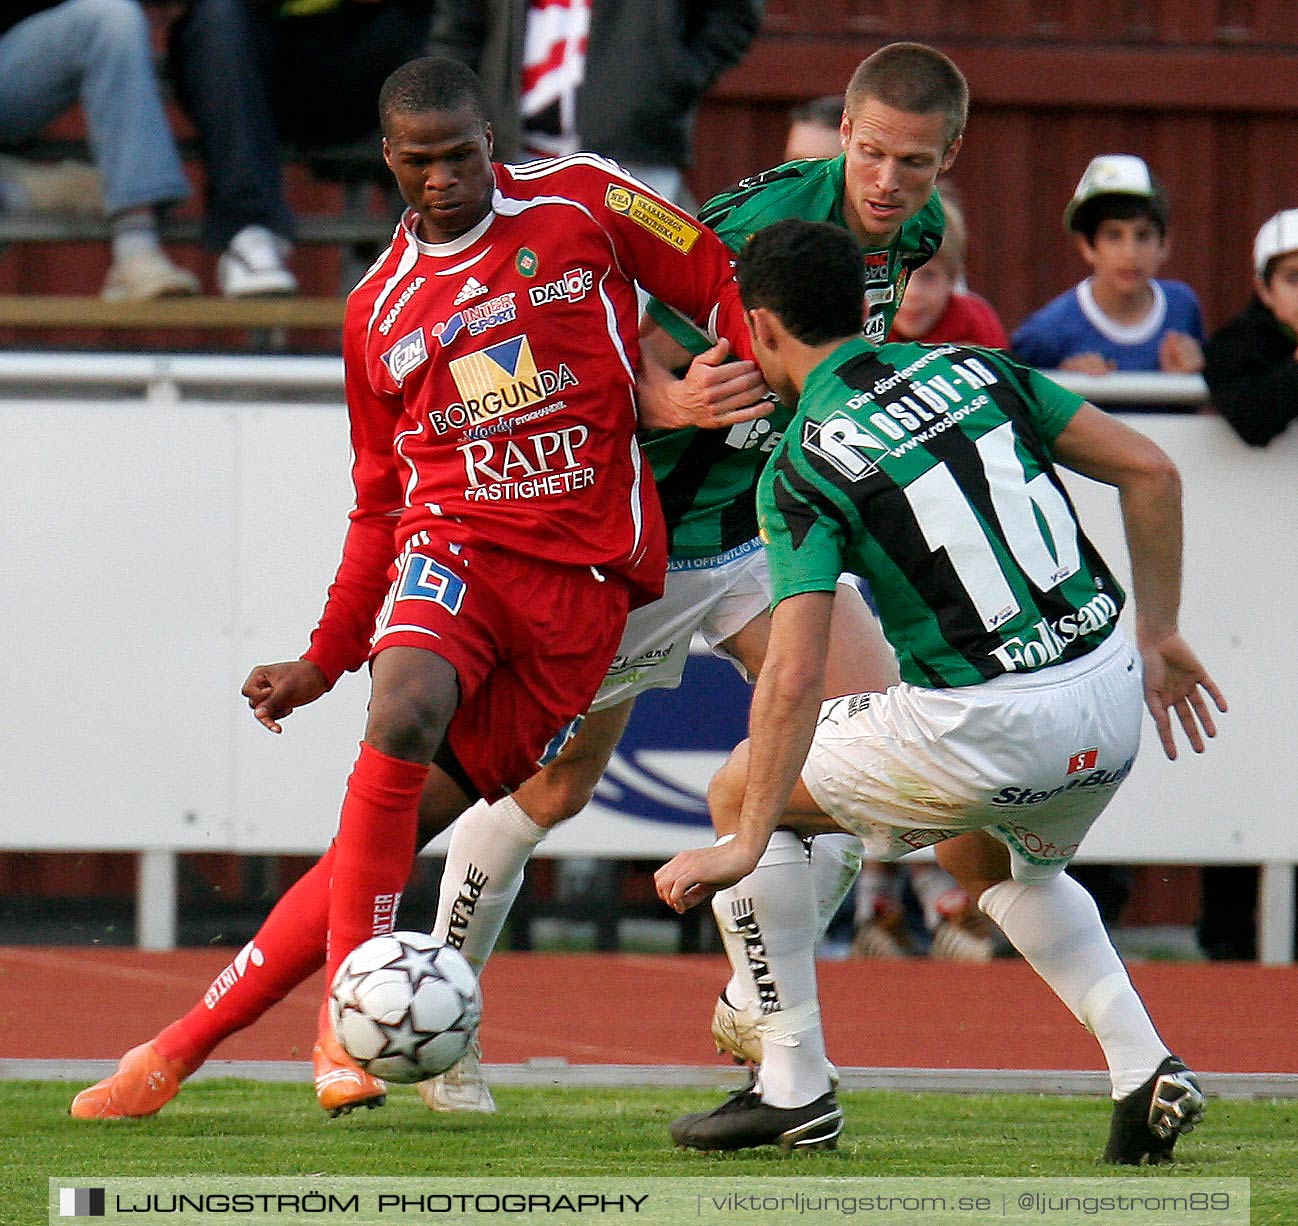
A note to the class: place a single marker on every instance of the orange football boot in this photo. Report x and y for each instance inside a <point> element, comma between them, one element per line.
<point>341,1085</point>
<point>144,1083</point>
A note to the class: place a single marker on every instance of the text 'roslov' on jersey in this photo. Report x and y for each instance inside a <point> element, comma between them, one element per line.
<point>928,470</point>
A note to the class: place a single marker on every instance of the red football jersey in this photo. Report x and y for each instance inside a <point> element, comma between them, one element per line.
<point>491,383</point>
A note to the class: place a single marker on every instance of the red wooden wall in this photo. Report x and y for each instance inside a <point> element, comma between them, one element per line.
<point>1205,90</point>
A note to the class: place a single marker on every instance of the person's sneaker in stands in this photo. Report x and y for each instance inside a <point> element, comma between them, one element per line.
<point>145,275</point>
<point>252,266</point>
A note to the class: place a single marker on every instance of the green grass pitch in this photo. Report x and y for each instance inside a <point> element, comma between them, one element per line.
<point>252,1128</point>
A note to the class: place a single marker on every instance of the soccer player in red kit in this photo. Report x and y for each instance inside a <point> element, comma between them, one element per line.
<point>490,359</point>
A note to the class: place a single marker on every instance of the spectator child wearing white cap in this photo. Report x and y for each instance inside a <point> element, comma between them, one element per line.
<point>1122,317</point>
<point>1252,362</point>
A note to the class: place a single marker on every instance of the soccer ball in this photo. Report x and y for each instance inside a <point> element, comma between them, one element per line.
<point>403,1007</point>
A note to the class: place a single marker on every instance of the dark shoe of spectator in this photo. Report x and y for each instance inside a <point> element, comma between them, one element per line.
<point>252,266</point>
<point>145,275</point>
<point>71,188</point>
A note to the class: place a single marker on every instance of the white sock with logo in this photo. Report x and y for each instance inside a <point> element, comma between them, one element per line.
<point>835,862</point>
<point>1056,926</point>
<point>768,928</point>
<point>490,845</point>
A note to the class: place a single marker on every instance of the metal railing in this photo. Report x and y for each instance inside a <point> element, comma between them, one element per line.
<point>164,376</point>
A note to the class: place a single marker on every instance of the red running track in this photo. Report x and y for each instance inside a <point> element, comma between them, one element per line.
<point>82,1003</point>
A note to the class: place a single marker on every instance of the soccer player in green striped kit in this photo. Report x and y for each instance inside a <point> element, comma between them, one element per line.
<point>929,470</point>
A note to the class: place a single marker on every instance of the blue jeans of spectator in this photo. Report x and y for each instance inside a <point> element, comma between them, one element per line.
<point>250,80</point>
<point>97,52</point>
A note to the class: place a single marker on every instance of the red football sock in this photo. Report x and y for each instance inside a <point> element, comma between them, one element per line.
<point>288,948</point>
<point>375,850</point>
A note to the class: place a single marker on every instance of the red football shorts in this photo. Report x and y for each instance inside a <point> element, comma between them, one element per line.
<point>530,641</point>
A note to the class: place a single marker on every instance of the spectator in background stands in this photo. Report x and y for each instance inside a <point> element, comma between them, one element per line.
<point>98,52</point>
<point>1251,365</point>
<point>252,74</point>
<point>619,77</point>
<point>814,129</point>
<point>934,308</point>
<point>1121,317</point>
<point>1252,362</point>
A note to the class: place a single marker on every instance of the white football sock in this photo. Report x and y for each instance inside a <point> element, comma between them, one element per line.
<point>490,845</point>
<point>1056,926</point>
<point>768,927</point>
<point>835,862</point>
<point>739,989</point>
<point>795,1069</point>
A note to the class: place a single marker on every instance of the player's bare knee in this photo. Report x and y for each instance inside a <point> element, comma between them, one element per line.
<point>726,791</point>
<point>408,724</point>
<point>412,698</point>
<point>560,791</point>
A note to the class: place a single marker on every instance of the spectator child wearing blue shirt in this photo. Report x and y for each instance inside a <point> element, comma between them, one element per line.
<point>1121,317</point>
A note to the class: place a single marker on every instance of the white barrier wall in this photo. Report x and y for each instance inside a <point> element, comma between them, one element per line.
<point>152,551</point>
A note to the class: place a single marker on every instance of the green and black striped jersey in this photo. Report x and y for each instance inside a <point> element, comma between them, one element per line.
<point>927,469</point>
<point>707,478</point>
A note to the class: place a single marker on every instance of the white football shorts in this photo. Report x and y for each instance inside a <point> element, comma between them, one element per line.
<point>1031,758</point>
<point>717,597</point>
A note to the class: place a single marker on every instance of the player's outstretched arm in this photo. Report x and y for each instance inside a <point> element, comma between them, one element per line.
<point>1149,486</point>
<point>1176,683</point>
<point>714,393</point>
<point>274,691</point>
<point>782,722</point>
